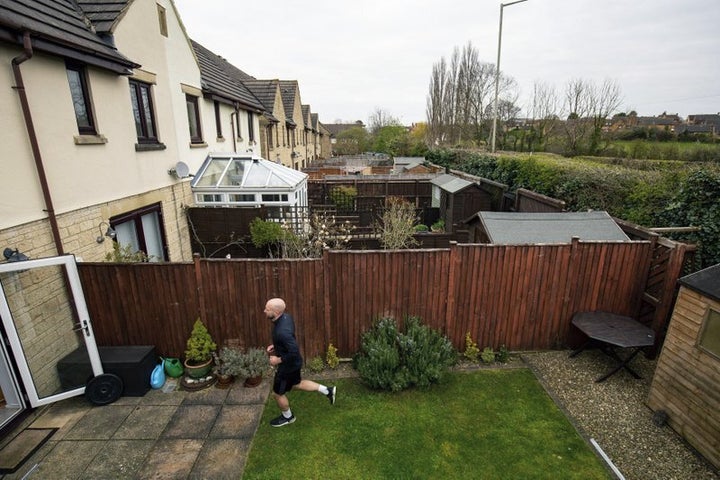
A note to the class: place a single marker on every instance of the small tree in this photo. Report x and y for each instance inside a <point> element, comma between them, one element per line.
<point>321,232</point>
<point>266,233</point>
<point>397,226</point>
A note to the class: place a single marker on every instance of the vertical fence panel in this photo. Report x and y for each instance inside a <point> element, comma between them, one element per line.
<point>520,296</point>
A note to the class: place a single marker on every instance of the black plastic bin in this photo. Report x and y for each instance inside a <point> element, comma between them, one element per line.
<point>133,364</point>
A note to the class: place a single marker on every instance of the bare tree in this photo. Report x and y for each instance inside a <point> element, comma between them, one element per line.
<point>543,113</point>
<point>380,118</point>
<point>587,107</point>
<point>459,94</point>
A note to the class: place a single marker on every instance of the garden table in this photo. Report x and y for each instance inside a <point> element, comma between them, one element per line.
<point>610,331</point>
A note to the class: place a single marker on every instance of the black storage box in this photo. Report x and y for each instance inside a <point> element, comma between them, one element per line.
<point>133,364</point>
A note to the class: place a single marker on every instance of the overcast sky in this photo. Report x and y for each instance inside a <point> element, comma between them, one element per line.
<point>353,57</point>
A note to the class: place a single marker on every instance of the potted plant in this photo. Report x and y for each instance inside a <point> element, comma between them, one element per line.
<point>200,347</point>
<point>254,364</point>
<point>227,365</point>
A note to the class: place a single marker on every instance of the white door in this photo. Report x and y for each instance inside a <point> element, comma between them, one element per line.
<point>48,328</point>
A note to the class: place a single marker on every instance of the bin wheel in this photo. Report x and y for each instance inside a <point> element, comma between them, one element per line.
<point>104,389</point>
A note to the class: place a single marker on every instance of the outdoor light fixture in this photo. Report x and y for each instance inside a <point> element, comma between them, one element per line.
<point>14,255</point>
<point>110,233</point>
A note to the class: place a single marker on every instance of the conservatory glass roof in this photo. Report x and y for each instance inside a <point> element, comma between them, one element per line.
<point>244,172</point>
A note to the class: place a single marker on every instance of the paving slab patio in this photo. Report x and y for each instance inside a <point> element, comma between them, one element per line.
<point>171,434</point>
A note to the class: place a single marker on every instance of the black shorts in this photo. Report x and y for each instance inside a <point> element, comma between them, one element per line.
<point>285,381</point>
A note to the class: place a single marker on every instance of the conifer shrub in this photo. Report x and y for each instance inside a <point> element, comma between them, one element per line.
<point>390,359</point>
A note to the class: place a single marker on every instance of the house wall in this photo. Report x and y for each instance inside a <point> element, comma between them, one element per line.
<point>80,228</point>
<point>687,379</point>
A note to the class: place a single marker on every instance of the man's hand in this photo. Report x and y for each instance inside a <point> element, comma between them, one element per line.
<point>275,360</point>
<point>270,349</point>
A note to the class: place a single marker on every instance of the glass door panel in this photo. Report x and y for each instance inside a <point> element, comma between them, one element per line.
<point>45,317</point>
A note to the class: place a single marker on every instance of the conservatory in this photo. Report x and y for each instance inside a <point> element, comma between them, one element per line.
<point>244,180</point>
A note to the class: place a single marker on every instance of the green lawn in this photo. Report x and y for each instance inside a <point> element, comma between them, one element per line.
<point>489,424</point>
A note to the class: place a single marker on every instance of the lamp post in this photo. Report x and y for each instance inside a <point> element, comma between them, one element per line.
<point>497,75</point>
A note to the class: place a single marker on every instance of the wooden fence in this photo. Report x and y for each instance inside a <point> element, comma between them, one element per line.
<point>522,296</point>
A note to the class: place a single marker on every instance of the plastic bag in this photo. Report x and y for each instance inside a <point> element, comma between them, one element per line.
<point>173,367</point>
<point>157,377</point>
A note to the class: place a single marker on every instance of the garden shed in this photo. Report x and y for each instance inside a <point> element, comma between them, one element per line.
<point>242,180</point>
<point>687,377</point>
<point>522,228</point>
<point>458,198</point>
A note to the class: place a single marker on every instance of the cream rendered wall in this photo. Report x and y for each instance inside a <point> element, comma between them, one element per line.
<point>20,198</point>
<point>227,118</point>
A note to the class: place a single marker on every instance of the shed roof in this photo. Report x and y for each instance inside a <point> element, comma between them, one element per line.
<point>706,282</point>
<point>245,172</point>
<point>558,227</point>
<point>450,183</point>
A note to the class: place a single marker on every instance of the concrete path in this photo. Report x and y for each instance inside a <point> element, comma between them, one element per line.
<point>175,435</point>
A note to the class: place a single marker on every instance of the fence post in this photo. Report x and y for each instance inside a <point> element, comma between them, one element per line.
<point>198,287</point>
<point>326,296</point>
<point>450,306</point>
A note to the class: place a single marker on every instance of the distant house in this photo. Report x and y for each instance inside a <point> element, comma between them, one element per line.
<point>336,129</point>
<point>707,120</point>
<point>687,380</point>
<point>518,228</point>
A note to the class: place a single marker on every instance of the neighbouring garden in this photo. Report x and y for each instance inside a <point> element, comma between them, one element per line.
<point>651,193</point>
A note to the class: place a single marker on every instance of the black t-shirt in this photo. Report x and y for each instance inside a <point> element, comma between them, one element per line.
<point>286,346</point>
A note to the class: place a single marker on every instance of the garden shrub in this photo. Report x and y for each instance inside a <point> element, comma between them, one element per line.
<point>331,357</point>
<point>472,352</point>
<point>316,365</point>
<point>393,360</point>
<point>487,355</point>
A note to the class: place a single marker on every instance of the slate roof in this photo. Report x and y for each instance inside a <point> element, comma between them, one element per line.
<point>288,90</point>
<point>518,228</point>
<point>104,14</point>
<point>221,78</point>
<point>265,91</point>
<point>58,27</point>
<point>306,116</point>
<point>335,128</point>
<point>706,282</point>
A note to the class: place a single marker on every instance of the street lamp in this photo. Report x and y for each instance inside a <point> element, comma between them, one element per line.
<point>497,75</point>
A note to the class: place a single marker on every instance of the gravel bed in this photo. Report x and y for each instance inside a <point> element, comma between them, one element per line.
<point>615,414</point>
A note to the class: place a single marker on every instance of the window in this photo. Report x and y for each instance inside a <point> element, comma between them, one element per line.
<point>162,17</point>
<point>142,229</point>
<point>143,112</point>
<point>251,131</point>
<point>242,197</point>
<point>77,79</point>
<point>271,144</point>
<point>209,197</point>
<point>218,123</point>
<point>274,197</point>
<point>193,113</point>
<point>710,334</point>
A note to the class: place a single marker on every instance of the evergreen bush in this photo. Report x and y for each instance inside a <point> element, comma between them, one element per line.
<point>393,360</point>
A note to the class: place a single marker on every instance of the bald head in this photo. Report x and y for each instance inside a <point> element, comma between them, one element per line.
<point>274,308</point>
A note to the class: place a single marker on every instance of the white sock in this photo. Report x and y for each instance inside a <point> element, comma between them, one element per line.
<point>323,389</point>
<point>287,413</point>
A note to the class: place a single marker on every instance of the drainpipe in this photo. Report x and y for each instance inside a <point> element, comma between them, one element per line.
<point>20,87</point>
<point>232,128</point>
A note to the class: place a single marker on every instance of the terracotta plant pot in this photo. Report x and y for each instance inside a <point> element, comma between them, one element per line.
<point>253,381</point>
<point>224,381</point>
<point>198,370</point>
